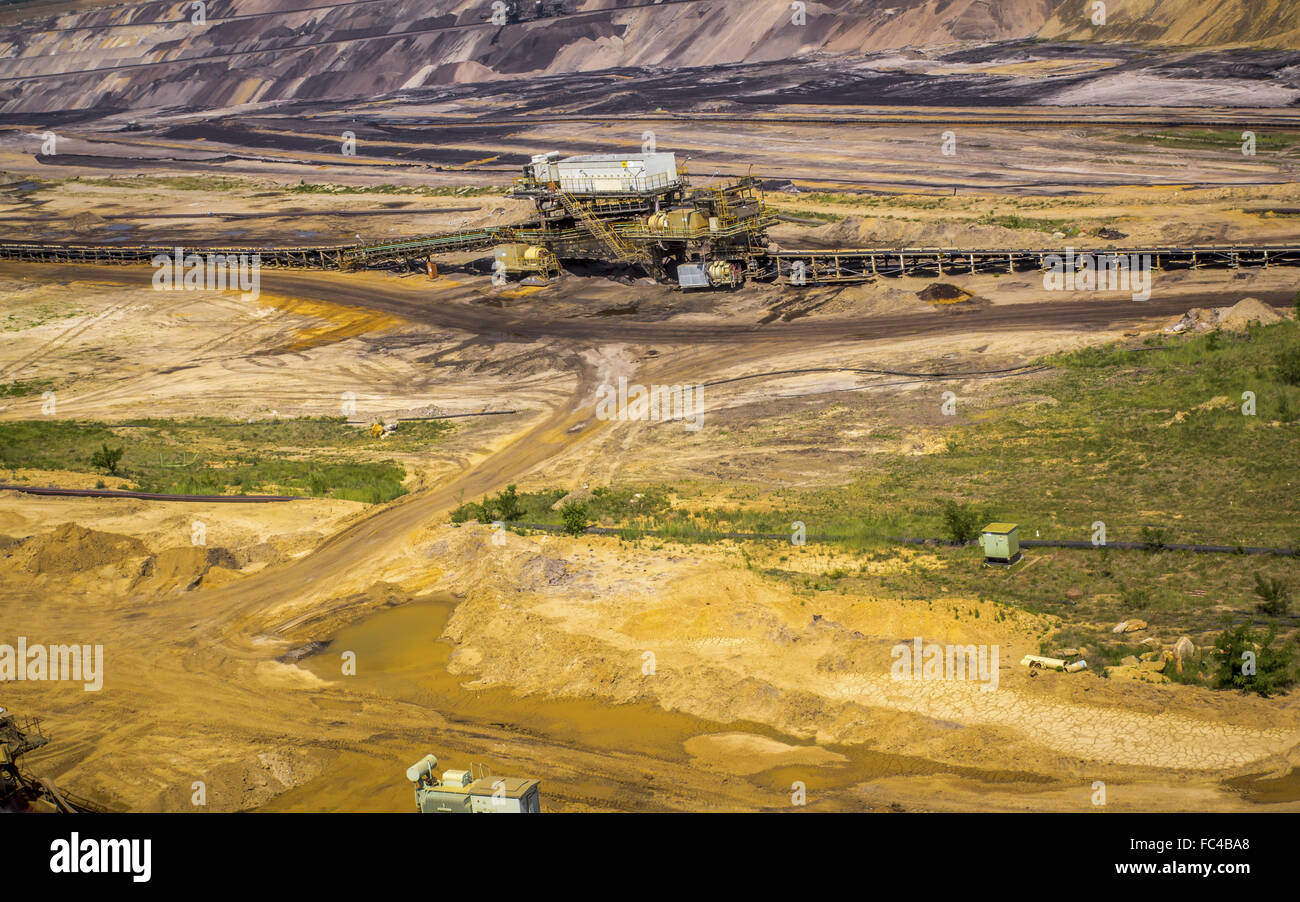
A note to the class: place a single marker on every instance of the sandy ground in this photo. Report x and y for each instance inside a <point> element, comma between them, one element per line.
<point>625,676</point>
<point>530,656</point>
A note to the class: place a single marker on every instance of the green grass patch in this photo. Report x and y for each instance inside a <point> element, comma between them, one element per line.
<point>20,388</point>
<point>1068,227</point>
<point>1209,139</point>
<point>1098,437</point>
<point>808,214</point>
<point>421,190</point>
<point>320,456</point>
<point>170,182</point>
<point>38,315</point>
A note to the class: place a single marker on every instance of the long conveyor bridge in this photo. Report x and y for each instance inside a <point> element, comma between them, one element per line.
<point>810,266</point>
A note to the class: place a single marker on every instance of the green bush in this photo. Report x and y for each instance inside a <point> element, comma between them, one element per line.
<point>1273,666</point>
<point>960,521</point>
<point>468,511</point>
<point>1274,594</point>
<point>106,458</point>
<point>507,504</point>
<point>574,516</point>
<point>1153,538</point>
<point>1288,364</point>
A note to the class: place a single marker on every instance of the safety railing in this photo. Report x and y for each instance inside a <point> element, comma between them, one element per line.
<point>621,249</point>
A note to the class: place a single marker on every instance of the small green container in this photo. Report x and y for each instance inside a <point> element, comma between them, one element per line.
<point>1001,543</point>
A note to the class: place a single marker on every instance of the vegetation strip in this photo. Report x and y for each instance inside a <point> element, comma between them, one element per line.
<point>1009,371</point>
<point>911,540</point>
<point>213,457</point>
<point>454,416</point>
<point>147,496</point>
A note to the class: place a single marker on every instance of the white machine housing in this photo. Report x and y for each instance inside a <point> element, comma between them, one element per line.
<point>607,173</point>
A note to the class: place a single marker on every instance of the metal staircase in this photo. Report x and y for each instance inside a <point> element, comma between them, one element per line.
<point>622,250</point>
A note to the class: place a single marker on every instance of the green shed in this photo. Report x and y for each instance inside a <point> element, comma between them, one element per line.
<point>1001,543</point>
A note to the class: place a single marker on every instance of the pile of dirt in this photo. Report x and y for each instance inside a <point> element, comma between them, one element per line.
<point>906,233</point>
<point>543,571</point>
<point>1246,312</point>
<point>944,293</point>
<point>185,567</point>
<point>847,231</point>
<point>1237,318</point>
<point>1270,23</point>
<point>883,297</point>
<point>72,548</point>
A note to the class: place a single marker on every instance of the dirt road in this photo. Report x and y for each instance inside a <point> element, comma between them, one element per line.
<point>457,309</point>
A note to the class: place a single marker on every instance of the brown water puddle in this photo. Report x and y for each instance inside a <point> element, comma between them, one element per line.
<point>1257,788</point>
<point>399,655</point>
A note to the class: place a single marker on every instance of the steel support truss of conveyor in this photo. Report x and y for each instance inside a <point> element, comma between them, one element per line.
<point>406,254</point>
<point>825,266</point>
<point>796,267</point>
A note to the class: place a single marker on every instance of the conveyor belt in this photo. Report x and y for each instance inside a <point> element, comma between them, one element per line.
<point>811,266</point>
<point>825,265</point>
<point>404,254</point>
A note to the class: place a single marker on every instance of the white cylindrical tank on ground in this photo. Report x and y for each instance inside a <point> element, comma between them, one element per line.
<point>422,768</point>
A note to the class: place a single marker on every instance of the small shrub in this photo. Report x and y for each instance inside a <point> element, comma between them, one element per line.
<point>107,458</point>
<point>469,511</point>
<point>960,522</point>
<point>1136,598</point>
<point>507,504</point>
<point>574,516</point>
<point>1288,364</point>
<point>1273,666</point>
<point>1274,594</point>
<point>1153,538</point>
<point>316,483</point>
